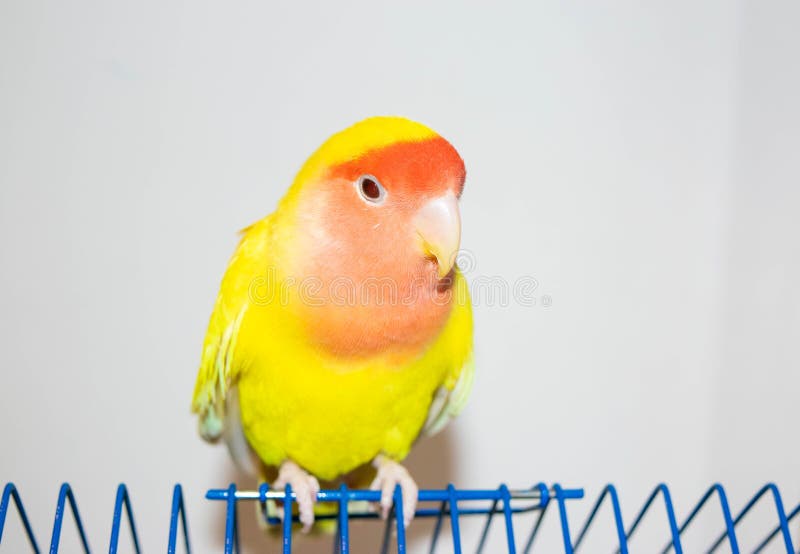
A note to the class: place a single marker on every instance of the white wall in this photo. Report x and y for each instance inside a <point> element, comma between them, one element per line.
<point>639,161</point>
<point>756,383</point>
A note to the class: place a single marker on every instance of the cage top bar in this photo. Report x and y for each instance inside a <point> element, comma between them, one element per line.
<point>425,495</point>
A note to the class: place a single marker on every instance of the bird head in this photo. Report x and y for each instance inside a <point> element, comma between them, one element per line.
<point>384,192</point>
<point>376,204</point>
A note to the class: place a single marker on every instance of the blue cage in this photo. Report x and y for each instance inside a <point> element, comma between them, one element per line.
<point>501,507</point>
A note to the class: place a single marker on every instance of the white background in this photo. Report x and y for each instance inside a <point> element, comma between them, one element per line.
<point>639,160</point>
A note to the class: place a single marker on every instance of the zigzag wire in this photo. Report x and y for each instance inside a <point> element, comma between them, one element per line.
<point>783,523</point>
<point>611,492</point>
<point>177,515</point>
<point>65,495</point>
<point>726,514</point>
<point>670,509</point>
<point>775,531</point>
<point>122,502</point>
<point>544,502</point>
<point>231,527</point>
<point>10,493</point>
<point>448,500</point>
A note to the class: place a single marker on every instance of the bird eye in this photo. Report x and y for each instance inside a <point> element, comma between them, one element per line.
<point>370,189</point>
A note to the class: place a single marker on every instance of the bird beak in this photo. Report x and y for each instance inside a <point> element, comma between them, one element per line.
<point>438,224</point>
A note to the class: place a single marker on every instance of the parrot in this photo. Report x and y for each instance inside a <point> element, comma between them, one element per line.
<point>342,330</point>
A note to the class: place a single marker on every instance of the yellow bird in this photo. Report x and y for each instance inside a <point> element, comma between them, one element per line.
<point>343,327</point>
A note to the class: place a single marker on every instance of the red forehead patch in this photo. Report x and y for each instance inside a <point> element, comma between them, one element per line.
<point>423,167</point>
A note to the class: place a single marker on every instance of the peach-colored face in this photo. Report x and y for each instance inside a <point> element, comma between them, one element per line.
<point>362,229</point>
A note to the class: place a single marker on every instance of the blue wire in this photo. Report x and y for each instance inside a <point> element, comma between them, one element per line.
<point>562,510</point>
<point>65,495</point>
<point>451,490</point>
<point>485,532</point>
<point>726,514</point>
<point>177,514</point>
<point>231,531</point>
<point>387,531</point>
<point>512,547</point>
<point>673,525</point>
<point>344,532</point>
<point>438,528</point>
<point>783,523</point>
<point>611,492</point>
<point>122,501</point>
<point>287,519</point>
<point>10,493</point>
<point>400,519</point>
<point>775,531</point>
<point>448,500</point>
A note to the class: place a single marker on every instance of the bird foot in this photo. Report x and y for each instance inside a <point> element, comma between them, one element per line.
<point>390,474</point>
<point>305,487</point>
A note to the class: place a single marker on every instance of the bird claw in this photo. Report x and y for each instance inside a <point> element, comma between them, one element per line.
<point>390,474</point>
<point>305,487</point>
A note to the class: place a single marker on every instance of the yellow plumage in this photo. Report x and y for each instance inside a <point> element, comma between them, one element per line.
<point>328,413</point>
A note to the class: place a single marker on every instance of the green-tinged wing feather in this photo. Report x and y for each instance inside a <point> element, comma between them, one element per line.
<point>448,403</point>
<point>220,362</point>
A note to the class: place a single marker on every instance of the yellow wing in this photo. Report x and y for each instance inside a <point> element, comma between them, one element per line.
<point>221,363</point>
<point>448,403</point>
<point>452,396</point>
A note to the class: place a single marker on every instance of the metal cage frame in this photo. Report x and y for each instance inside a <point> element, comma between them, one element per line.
<point>502,502</point>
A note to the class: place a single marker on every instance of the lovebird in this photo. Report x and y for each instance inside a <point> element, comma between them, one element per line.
<point>342,331</point>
